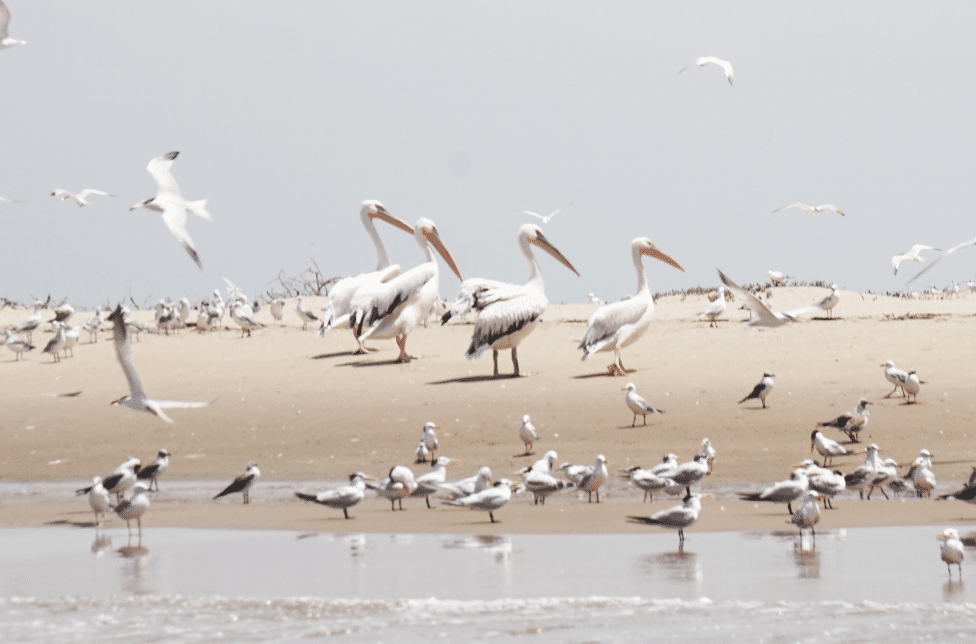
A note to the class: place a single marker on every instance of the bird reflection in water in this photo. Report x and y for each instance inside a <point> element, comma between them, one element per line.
<point>952,590</point>
<point>500,547</point>
<point>806,557</point>
<point>101,544</point>
<point>135,570</point>
<point>672,566</point>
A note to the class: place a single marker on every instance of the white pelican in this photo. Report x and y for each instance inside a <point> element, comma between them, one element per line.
<point>336,310</point>
<point>812,209</point>
<point>6,41</point>
<point>342,497</point>
<point>677,518</point>
<point>507,313</point>
<point>910,256</point>
<point>951,550</point>
<point>393,309</point>
<point>715,309</point>
<point>761,390</point>
<point>243,482</point>
<point>80,197</point>
<point>701,61</point>
<point>619,324</point>
<point>137,398</point>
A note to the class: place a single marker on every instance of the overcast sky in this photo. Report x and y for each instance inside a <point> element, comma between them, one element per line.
<point>288,114</point>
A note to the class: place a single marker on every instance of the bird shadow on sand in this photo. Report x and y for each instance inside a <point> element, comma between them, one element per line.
<point>524,455</point>
<point>367,363</point>
<point>337,354</point>
<point>826,319</point>
<point>601,374</point>
<point>73,524</point>
<point>504,376</point>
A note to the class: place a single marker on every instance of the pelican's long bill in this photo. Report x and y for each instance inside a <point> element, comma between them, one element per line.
<point>543,243</point>
<point>434,238</point>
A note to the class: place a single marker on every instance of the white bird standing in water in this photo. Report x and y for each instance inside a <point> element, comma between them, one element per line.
<point>134,506</point>
<point>701,61</point>
<point>951,550</point>
<point>638,404</point>
<point>617,325</point>
<point>593,480</point>
<point>808,514</point>
<point>137,398</point>
<point>171,203</point>
<point>677,518</point>
<point>99,500</point>
<point>395,308</point>
<point>528,434</point>
<point>336,310</point>
<point>507,313</point>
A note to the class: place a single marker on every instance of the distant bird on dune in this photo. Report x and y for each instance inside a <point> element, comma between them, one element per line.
<point>701,61</point>
<point>171,203</point>
<point>79,198</point>
<point>715,309</point>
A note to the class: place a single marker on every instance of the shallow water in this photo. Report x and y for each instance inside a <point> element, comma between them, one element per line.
<point>188,585</point>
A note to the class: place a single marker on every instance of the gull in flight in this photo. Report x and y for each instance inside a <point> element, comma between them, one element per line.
<point>762,314</point>
<point>527,433</point>
<point>638,404</point>
<point>5,200</point>
<point>80,197</point>
<point>677,518</point>
<point>850,423</point>
<point>971,242</point>
<point>171,203</point>
<point>951,550</point>
<point>341,498</point>
<point>813,210</point>
<point>547,218</point>
<point>761,390</point>
<point>243,482</point>
<point>6,42</point>
<point>137,398</point>
<point>911,256</point>
<point>701,61</point>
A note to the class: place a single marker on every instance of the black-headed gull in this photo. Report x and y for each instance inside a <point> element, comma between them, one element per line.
<point>243,482</point>
<point>761,390</point>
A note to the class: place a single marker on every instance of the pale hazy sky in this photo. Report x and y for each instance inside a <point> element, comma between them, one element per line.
<point>288,114</point>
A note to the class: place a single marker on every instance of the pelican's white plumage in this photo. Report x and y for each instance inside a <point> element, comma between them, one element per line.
<point>171,203</point>
<point>6,41</point>
<point>80,197</point>
<point>701,61</point>
<point>812,209</point>
<point>619,324</point>
<point>394,308</point>
<point>336,309</point>
<point>137,398</point>
<point>507,313</point>
<point>911,256</point>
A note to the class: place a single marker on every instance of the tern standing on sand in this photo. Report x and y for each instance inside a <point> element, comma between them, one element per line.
<point>677,518</point>
<point>761,390</point>
<point>243,482</point>
<point>638,404</point>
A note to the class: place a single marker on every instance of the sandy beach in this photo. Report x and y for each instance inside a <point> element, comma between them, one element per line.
<point>310,412</point>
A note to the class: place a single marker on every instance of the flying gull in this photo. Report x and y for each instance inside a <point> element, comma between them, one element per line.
<point>701,61</point>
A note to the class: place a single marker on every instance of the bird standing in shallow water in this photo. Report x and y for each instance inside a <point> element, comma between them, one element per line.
<point>243,482</point>
<point>951,550</point>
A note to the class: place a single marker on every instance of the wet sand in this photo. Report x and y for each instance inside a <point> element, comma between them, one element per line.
<point>310,413</point>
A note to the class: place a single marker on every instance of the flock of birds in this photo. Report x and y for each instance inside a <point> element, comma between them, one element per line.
<point>388,304</point>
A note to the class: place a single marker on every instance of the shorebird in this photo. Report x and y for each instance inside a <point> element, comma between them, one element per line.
<point>341,498</point>
<point>826,447</point>
<point>852,422</point>
<point>911,256</point>
<point>912,386</point>
<point>650,482</point>
<point>31,322</point>
<point>6,42</point>
<point>71,337</point>
<point>761,390</point>
<point>138,399</point>
<point>785,491</point>
<point>701,61</point>
<point>154,470</point>
<point>677,518</point>
<point>896,376</point>
<point>398,484</point>
<point>16,344</point>
<point>813,210</point>
<point>538,478</point>
<point>467,486</point>
<point>80,197</point>
<point>489,499</point>
<point>777,277</point>
<point>829,302</point>
<point>638,404</point>
<point>686,474</point>
<point>99,500</point>
<point>951,550</point>
<point>429,437</point>
<point>134,506</point>
<point>528,434</point>
<point>242,314</point>
<point>277,306</point>
<point>864,473</point>
<point>708,452</point>
<point>303,313</point>
<point>715,309</point>
<point>94,324</point>
<point>808,514</point>
<point>56,344</point>
<point>171,203</point>
<point>594,299</point>
<point>828,484</point>
<point>242,483</point>
<point>971,242</point>
<point>762,314</point>
<point>429,482</point>
<point>594,480</point>
<point>121,479</point>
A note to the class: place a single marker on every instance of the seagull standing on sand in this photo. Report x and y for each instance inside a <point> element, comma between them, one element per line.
<point>829,302</point>
<point>467,486</point>
<point>57,342</point>
<point>777,278</point>
<point>638,404</point>
<point>539,480</point>
<point>398,484</point>
<point>341,498</point>
<point>594,299</point>
<point>761,390</point>
<point>594,480</point>
<point>134,507</point>
<point>80,197</point>
<point>808,514</point>
<point>826,447</point>
<point>911,256</point>
<point>715,309</point>
<point>701,61</point>
<point>15,344</point>
<point>137,398</point>
<point>951,550</point>
<point>528,434</point>
<point>303,313</point>
<point>824,482</point>
<point>430,482</point>
<point>617,325</point>
<point>708,452</point>
<point>154,470</point>
<point>852,422</point>
<point>782,491</point>
<point>896,376</point>
<point>429,437</point>
<point>677,518</point>
<point>686,474</point>
<point>489,499</point>
<point>277,305</point>
<point>650,482</point>
<point>813,210</point>
<point>31,322</point>
<point>171,203</point>
<point>242,483</point>
<point>6,42</point>
<point>912,386</point>
<point>864,473</point>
